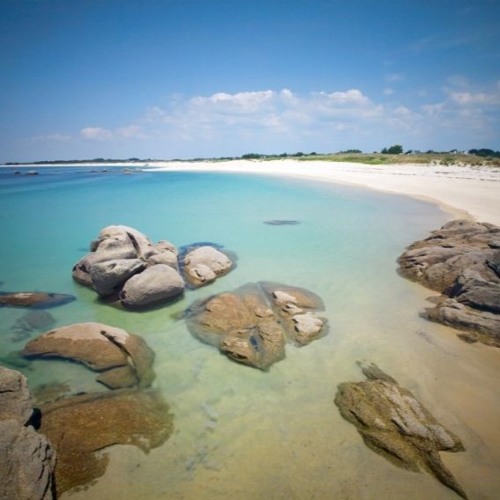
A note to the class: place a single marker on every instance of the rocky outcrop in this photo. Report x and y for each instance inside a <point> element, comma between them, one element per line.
<point>27,460</point>
<point>80,427</point>
<point>117,262</point>
<point>462,261</point>
<point>252,324</point>
<point>123,264</point>
<point>122,359</point>
<point>393,423</point>
<point>205,264</point>
<point>34,300</point>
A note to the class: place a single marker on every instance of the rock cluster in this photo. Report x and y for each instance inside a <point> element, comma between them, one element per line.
<point>393,423</point>
<point>462,261</point>
<point>121,359</point>
<point>27,460</point>
<point>252,324</point>
<point>124,263</point>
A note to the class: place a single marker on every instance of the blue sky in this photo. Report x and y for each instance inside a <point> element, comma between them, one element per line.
<point>193,78</point>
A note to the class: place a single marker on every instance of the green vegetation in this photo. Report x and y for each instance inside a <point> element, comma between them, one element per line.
<point>391,155</point>
<point>397,149</point>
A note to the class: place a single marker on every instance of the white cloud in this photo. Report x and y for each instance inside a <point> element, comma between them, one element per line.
<point>53,137</point>
<point>130,132</point>
<point>226,123</point>
<point>96,133</point>
<point>353,97</point>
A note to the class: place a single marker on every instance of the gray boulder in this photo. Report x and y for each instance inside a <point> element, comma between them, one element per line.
<point>461,260</point>
<point>158,283</point>
<point>27,462</point>
<point>15,401</point>
<point>205,264</point>
<point>119,254</point>
<point>108,277</point>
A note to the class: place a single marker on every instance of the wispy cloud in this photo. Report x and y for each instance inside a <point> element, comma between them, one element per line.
<point>273,120</point>
<point>96,133</point>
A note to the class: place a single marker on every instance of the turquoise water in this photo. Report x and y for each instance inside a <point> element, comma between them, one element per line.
<point>242,433</point>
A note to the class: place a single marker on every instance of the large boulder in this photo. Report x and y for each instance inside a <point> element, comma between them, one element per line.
<point>81,427</point>
<point>15,401</point>
<point>252,324</point>
<point>461,260</point>
<point>157,284</point>
<point>118,256</point>
<point>27,459</point>
<point>393,423</point>
<point>122,359</point>
<point>27,462</point>
<point>109,276</point>
<point>205,264</point>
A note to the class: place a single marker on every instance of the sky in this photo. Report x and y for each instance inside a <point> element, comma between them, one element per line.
<point>168,79</point>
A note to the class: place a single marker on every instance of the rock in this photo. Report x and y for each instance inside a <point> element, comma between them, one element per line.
<point>307,326</point>
<point>393,423</point>
<point>27,462</point>
<point>121,254</point>
<point>253,324</point>
<point>79,427</point>
<point>157,284</point>
<point>14,396</point>
<point>205,264</point>
<point>108,277</point>
<point>164,253</point>
<point>35,300</point>
<point>36,320</point>
<point>123,359</point>
<point>460,260</point>
<point>281,222</point>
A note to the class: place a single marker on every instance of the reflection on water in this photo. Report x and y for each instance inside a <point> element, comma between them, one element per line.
<point>240,432</point>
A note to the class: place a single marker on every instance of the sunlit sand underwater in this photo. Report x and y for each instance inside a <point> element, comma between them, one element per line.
<point>241,433</point>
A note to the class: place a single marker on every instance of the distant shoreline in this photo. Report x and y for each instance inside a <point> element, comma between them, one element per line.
<point>462,190</point>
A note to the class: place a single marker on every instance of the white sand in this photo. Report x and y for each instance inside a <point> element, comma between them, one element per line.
<point>462,190</point>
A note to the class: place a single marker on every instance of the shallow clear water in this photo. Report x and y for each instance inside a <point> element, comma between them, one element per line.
<point>242,433</point>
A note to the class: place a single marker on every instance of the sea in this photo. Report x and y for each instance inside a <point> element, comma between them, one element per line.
<point>239,432</point>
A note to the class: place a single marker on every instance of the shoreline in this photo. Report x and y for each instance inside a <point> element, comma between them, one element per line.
<point>463,191</point>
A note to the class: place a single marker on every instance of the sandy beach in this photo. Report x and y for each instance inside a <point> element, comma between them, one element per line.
<point>465,191</point>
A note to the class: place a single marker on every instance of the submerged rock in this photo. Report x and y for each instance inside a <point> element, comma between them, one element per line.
<point>80,427</point>
<point>35,300</point>
<point>461,260</point>
<point>252,324</point>
<point>30,322</point>
<point>281,222</point>
<point>393,423</point>
<point>122,359</point>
